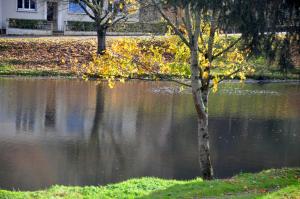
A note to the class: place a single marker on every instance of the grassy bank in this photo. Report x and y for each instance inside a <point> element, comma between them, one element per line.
<point>282,183</point>
<point>8,70</point>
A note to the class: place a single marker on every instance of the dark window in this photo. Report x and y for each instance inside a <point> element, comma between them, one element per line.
<point>20,4</point>
<point>26,4</point>
<point>33,4</point>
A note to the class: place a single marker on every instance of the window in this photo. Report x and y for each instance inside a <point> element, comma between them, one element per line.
<point>74,7</point>
<point>26,4</point>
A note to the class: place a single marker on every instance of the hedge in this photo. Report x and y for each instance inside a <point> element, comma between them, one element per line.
<point>29,24</point>
<point>156,28</point>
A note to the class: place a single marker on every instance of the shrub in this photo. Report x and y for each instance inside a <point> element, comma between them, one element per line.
<point>29,24</point>
<point>156,28</point>
<point>81,26</point>
<point>161,57</point>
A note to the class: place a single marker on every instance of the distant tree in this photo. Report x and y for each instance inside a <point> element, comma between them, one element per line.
<point>269,28</point>
<point>106,13</point>
<point>285,59</point>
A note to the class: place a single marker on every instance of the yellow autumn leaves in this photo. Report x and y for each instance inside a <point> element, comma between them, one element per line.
<point>137,57</point>
<point>159,57</point>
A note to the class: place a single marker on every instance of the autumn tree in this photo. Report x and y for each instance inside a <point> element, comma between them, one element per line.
<point>209,57</point>
<point>201,52</point>
<point>255,20</point>
<point>106,13</point>
<point>201,43</point>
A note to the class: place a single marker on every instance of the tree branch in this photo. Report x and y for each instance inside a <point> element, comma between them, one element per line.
<point>82,5</point>
<point>88,4</point>
<point>164,79</point>
<point>227,49</point>
<point>118,19</point>
<point>177,31</point>
<point>212,32</point>
<point>105,15</point>
<point>180,82</point>
<point>188,22</point>
<point>227,76</point>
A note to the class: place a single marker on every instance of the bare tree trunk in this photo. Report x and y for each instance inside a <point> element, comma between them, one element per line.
<point>101,36</point>
<point>203,142</point>
<point>200,97</point>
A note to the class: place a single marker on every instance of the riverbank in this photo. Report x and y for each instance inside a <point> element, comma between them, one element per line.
<point>56,57</point>
<point>279,183</point>
<point>10,71</point>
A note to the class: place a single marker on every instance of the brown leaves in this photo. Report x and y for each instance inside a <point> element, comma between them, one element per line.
<point>46,53</point>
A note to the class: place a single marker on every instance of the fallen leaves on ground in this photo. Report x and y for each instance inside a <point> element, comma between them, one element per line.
<point>39,53</point>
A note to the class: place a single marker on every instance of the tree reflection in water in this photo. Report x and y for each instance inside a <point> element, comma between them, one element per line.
<point>101,135</point>
<point>50,112</point>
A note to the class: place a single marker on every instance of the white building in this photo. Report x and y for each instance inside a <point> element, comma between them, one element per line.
<point>51,15</point>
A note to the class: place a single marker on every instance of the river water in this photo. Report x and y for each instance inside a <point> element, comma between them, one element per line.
<point>73,132</point>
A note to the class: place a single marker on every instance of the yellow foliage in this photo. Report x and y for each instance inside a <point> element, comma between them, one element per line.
<point>153,57</point>
<point>205,75</point>
<point>215,84</point>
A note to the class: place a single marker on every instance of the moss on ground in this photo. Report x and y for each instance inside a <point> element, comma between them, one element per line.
<point>280,183</point>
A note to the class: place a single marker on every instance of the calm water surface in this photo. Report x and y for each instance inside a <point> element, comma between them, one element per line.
<point>73,132</point>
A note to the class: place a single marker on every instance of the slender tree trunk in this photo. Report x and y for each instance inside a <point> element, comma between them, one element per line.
<point>200,97</point>
<point>203,141</point>
<point>101,36</point>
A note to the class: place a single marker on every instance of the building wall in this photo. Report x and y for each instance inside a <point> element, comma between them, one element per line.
<point>148,13</point>
<point>9,10</point>
<point>1,14</point>
<point>17,31</point>
<point>65,15</point>
<point>68,16</point>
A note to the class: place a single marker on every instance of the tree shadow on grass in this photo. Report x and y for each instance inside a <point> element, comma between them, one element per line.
<point>243,185</point>
<point>197,189</point>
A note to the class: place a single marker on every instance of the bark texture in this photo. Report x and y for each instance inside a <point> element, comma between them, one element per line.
<point>101,36</point>
<point>203,141</point>
<point>200,97</point>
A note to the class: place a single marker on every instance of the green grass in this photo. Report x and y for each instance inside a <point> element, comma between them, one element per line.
<point>10,70</point>
<point>265,71</point>
<point>278,183</point>
<point>7,70</point>
<point>36,73</point>
<point>262,73</point>
<point>292,191</point>
<point>274,75</point>
<point>5,67</point>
